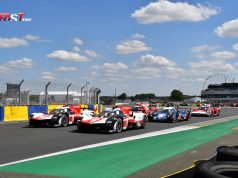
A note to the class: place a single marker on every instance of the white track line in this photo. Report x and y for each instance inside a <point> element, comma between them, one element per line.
<point>141,136</point>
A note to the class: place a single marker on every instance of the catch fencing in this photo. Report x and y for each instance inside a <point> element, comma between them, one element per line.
<point>39,92</point>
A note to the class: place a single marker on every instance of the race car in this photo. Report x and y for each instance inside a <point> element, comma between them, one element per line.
<point>170,114</point>
<point>60,116</point>
<point>206,111</point>
<point>137,118</point>
<point>110,121</point>
<point>86,114</point>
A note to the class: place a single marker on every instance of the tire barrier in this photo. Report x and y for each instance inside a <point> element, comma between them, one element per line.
<point>223,165</point>
<point>1,113</point>
<point>217,169</point>
<point>225,153</point>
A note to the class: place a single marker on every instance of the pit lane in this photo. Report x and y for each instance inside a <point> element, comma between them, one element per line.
<point>18,141</point>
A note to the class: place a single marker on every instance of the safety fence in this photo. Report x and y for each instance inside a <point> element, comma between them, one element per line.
<point>22,113</point>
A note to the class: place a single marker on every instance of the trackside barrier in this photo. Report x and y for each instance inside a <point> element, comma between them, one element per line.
<point>36,109</point>
<point>22,113</point>
<point>96,109</point>
<point>91,107</point>
<point>15,113</point>
<point>84,107</point>
<point>223,164</point>
<point>53,106</point>
<point>1,113</point>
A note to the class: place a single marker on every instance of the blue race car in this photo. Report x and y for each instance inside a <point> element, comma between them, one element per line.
<point>170,114</point>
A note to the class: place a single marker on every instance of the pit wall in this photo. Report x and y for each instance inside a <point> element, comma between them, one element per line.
<point>22,113</point>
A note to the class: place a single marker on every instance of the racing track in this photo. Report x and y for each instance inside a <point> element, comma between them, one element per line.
<point>18,141</point>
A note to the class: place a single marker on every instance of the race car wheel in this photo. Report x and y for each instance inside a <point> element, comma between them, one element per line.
<point>225,153</point>
<point>187,116</point>
<point>220,169</point>
<point>119,125</point>
<point>143,123</point>
<point>64,121</point>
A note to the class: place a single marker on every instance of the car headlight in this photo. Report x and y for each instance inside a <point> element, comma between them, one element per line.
<point>108,122</point>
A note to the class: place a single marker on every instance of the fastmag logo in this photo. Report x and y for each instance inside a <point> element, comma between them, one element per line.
<point>13,17</point>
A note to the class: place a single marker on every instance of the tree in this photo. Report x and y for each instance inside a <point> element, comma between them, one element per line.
<point>122,96</point>
<point>145,96</point>
<point>176,95</point>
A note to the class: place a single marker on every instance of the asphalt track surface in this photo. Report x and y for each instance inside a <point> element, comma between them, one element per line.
<point>18,141</point>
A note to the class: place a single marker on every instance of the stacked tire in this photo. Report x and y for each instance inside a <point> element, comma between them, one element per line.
<point>225,164</point>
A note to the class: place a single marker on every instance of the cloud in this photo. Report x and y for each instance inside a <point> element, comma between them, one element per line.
<point>114,67</point>
<point>211,66</point>
<point>65,69</point>
<point>228,29</point>
<point>235,47</point>
<point>32,37</point>
<point>48,76</point>
<point>78,41</point>
<point>91,53</point>
<point>12,42</point>
<point>150,66</point>
<point>114,70</point>
<point>76,49</point>
<point>137,36</point>
<point>132,46</point>
<point>5,70</point>
<point>205,47</point>
<point>166,11</point>
<point>223,55</point>
<point>95,67</point>
<point>198,49</point>
<point>63,55</point>
<point>23,63</point>
<point>146,73</point>
<point>151,60</point>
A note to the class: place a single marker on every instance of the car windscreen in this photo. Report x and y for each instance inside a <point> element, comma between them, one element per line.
<point>56,111</point>
<point>204,108</point>
<point>137,109</point>
<point>106,114</point>
<point>165,111</point>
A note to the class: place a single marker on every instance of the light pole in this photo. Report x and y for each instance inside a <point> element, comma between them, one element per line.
<point>19,101</point>
<point>81,99</point>
<point>46,93</point>
<point>67,96</point>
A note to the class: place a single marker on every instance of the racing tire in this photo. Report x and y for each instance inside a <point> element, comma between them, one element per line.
<point>80,129</point>
<point>219,169</point>
<point>225,153</point>
<point>64,121</point>
<point>143,125</point>
<point>119,125</point>
<point>188,116</point>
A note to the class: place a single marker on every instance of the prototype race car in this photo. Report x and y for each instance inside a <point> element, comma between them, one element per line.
<point>137,117</point>
<point>206,111</point>
<point>170,114</point>
<point>111,121</point>
<point>61,116</point>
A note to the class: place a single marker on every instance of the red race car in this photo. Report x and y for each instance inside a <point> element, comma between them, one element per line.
<point>206,110</point>
<point>60,116</point>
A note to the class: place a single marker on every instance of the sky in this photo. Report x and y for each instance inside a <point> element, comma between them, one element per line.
<point>138,46</point>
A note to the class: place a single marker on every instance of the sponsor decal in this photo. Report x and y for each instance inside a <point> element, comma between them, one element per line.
<point>14,17</point>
